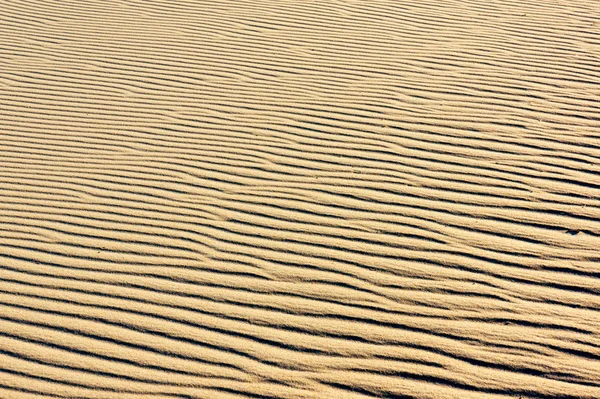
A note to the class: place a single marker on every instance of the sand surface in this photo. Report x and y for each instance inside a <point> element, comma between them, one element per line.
<point>299,199</point>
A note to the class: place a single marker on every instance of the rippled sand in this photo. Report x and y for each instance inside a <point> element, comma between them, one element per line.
<point>299,199</point>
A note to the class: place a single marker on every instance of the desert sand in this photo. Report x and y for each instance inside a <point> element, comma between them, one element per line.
<point>299,199</point>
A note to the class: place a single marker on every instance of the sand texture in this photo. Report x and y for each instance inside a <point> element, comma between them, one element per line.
<point>309,199</point>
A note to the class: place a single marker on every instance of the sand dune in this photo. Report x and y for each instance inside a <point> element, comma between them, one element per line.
<point>299,199</point>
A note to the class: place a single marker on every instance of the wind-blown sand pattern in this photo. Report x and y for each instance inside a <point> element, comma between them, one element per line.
<point>299,199</point>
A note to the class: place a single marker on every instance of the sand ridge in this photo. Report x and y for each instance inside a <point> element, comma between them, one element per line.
<point>299,199</point>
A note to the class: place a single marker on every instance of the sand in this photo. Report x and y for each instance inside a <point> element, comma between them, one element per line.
<point>299,199</point>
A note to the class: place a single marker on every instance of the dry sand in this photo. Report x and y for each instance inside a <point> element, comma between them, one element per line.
<point>299,199</point>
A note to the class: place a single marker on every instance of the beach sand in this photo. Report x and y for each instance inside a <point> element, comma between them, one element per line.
<point>299,199</point>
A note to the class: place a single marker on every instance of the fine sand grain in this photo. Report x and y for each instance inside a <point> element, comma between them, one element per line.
<point>299,199</point>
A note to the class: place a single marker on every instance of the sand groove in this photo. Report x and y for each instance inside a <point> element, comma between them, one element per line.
<point>299,199</point>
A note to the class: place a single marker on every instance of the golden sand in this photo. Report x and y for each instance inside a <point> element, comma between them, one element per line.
<point>299,199</point>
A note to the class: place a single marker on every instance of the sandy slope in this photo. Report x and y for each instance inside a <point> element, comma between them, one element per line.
<point>299,199</point>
